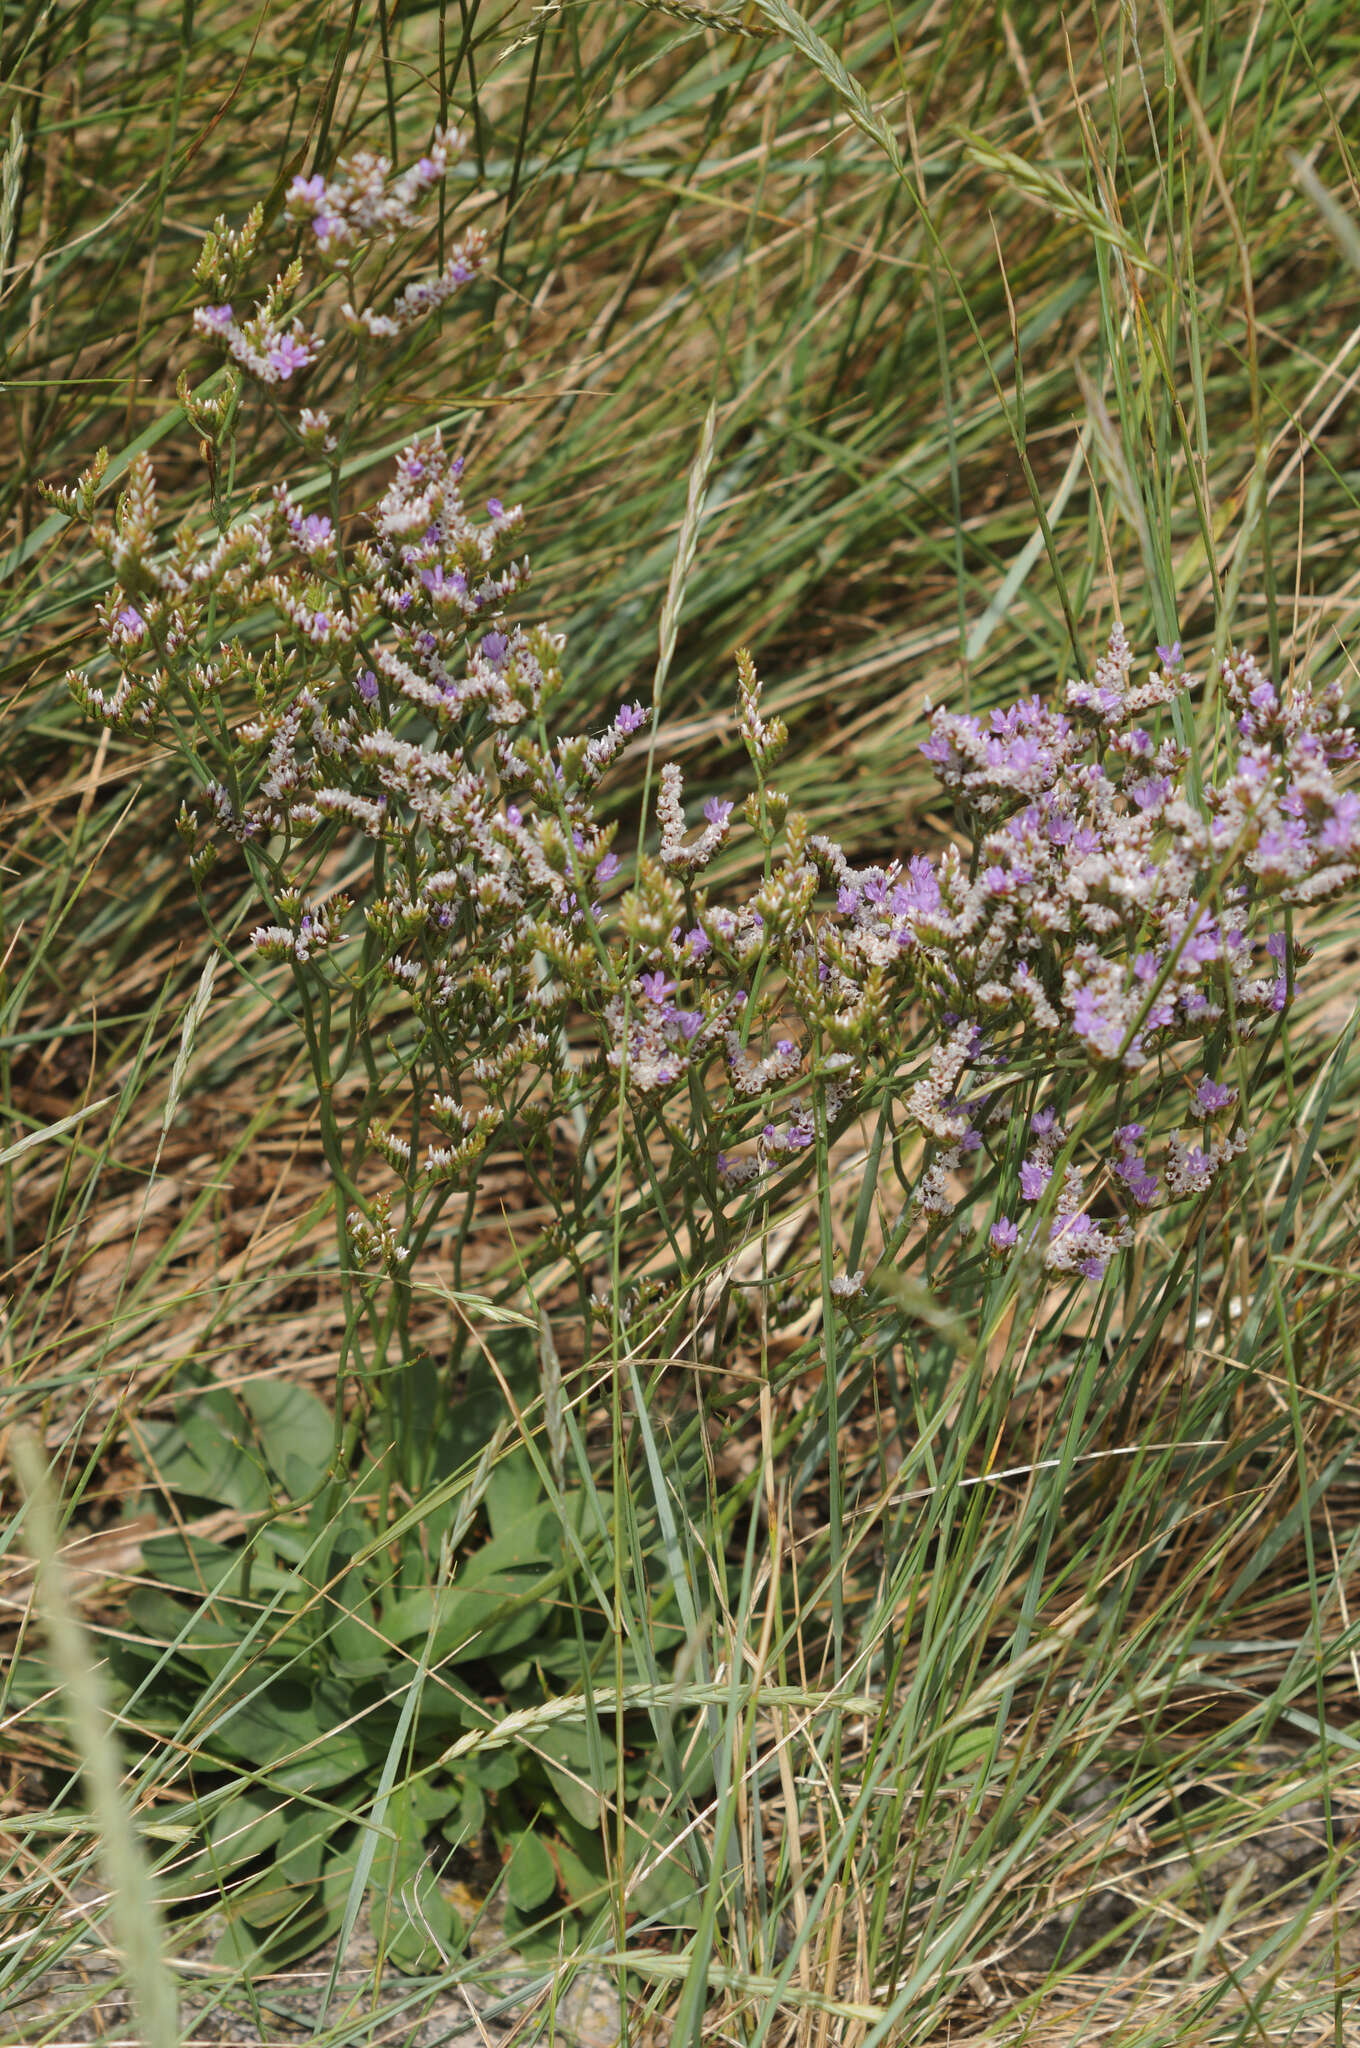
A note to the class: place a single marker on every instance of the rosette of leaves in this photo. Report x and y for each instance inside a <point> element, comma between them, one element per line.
<point>304,1680</point>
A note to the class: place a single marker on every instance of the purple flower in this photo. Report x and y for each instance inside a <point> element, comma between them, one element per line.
<point>847,900</point>
<point>1338,833</point>
<point>922,884</point>
<point>314,531</point>
<point>1170,657</point>
<point>131,621</point>
<point>630,717</point>
<point>1275,945</point>
<point>495,508</point>
<point>1076,1225</point>
<point>608,868</point>
<point>288,353</point>
<point>1087,1015</point>
<point>366,683</point>
<point>688,1020</point>
<point>698,943</point>
<point>1141,1184</point>
<point>717,812</point>
<point>1016,757</point>
<point>1044,1123</point>
<point>495,646</point>
<point>1212,1095</point>
<point>215,319</point>
<point>1034,1178</point>
<point>655,987</point>
<point>1003,1234</point>
<point>1205,943</point>
<point>439,584</point>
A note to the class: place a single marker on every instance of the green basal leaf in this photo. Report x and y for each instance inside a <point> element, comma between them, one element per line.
<point>580,1864</point>
<point>513,1492</point>
<point>581,1773</point>
<point>411,1919</point>
<point>207,1451</point>
<point>967,1750</point>
<point>241,1831</point>
<point>530,1878</point>
<point>296,1432</point>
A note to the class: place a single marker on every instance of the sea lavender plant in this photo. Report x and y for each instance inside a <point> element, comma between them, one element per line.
<point>495,977</point>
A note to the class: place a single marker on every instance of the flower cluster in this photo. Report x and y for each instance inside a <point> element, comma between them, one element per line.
<point>1107,915</point>
<point>1074,1242</point>
<point>1104,910</point>
<point>1113,918</point>
<point>364,206</point>
<point>262,345</point>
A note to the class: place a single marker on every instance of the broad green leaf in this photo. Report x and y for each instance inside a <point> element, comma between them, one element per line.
<point>493,1770</point>
<point>191,1564</point>
<point>580,1864</point>
<point>471,1815</point>
<point>473,1622</point>
<point>513,1491</point>
<point>582,1786</point>
<point>412,1921</point>
<point>246,1826</point>
<point>433,1799</point>
<point>967,1750</point>
<point>206,1450</point>
<point>530,1878</point>
<point>294,1871</point>
<point>291,1721</point>
<point>240,1831</point>
<point>354,1644</point>
<point>295,1429</point>
<point>324,1765</point>
<point>669,1888</point>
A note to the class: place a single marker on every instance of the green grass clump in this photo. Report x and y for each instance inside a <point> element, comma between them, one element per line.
<point>1003,1665</point>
